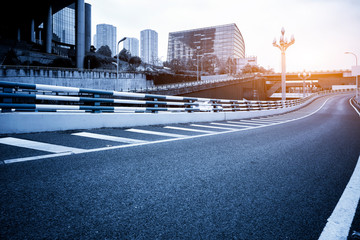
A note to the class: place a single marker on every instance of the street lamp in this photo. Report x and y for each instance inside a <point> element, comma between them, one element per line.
<point>357,82</point>
<point>283,45</point>
<point>304,75</point>
<point>117,58</point>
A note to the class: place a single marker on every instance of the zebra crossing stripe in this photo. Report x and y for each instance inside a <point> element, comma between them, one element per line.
<point>230,125</point>
<point>108,137</point>
<point>246,123</point>
<point>156,133</point>
<point>188,129</point>
<point>47,147</point>
<point>213,127</point>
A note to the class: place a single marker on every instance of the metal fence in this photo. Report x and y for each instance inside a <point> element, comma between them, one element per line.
<point>38,97</point>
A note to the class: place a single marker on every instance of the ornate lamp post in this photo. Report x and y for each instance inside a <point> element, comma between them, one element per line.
<point>283,45</point>
<point>357,81</point>
<point>117,59</point>
<point>304,75</point>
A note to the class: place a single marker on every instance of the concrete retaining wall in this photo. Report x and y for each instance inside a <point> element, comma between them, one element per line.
<point>105,80</point>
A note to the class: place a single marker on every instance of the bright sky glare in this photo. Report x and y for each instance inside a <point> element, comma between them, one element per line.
<point>323,29</point>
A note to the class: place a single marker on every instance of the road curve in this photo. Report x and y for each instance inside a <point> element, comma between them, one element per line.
<point>280,180</point>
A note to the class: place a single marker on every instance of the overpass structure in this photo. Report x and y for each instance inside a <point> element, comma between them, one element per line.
<point>323,80</point>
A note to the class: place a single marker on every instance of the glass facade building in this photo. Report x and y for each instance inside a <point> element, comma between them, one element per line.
<point>64,25</point>
<point>224,42</point>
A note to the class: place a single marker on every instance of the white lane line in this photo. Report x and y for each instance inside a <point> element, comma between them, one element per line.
<point>188,129</point>
<point>354,107</point>
<point>339,223</point>
<point>230,125</point>
<point>47,147</point>
<point>26,159</point>
<point>108,137</point>
<point>213,127</point>
<point>168,140</point>
<point>155,133</point>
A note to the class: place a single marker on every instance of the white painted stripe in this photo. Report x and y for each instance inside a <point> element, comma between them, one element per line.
<point>245,124</point>
<point>58,107</point>
<point>354,107</point>
<point>340,221</point>
<point>57,98</point>
<point>248,122</point>
<point>174,98</point>
<point>207,126</point>
<point>165,140</point>
<point>56,88</point>
<point>17,142</point>
<point>188,129</point>
<point>229,125</point>
<point>26,159</point>
<point>129,101</point>
<point>128,94</point>
<point>108,137</point>
<point>155,133</point>
<point>265,121</point>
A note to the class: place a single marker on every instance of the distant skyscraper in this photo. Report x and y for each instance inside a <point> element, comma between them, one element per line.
<point>106,35</point>
<point>149,46</point>
<point>223,42</point>
<point>132,45</point>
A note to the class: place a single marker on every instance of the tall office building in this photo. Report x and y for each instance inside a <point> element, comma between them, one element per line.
<point>149,46</point>
<point>106,35</point>
<point>223,42</point>
<point>132,45</point>
<point>63,25</point>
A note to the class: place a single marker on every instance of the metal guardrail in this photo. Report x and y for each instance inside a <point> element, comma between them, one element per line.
<point>38,97</point>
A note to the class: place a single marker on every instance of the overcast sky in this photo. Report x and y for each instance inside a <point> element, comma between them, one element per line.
<point>323,29</point>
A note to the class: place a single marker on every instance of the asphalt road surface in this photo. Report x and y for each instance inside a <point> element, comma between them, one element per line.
<point>271,178</point>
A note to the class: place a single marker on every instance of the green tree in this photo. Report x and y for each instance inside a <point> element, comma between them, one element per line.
<point>104,50</point>
<point>134,62</point>
<point>125,55</point>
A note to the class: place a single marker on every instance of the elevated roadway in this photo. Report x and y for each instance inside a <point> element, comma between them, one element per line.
<point>276,177</point>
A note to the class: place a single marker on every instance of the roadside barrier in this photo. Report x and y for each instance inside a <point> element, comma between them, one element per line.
<point>47,98</point>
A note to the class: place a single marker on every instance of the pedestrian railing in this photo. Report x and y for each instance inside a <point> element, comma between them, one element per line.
<point>38,97</point>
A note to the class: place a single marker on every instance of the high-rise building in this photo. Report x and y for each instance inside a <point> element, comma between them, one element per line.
<point>222,42</point>
<point>149,46</point>
<point>106,35</point>
<point>132,45</point>
<point>63,25</point>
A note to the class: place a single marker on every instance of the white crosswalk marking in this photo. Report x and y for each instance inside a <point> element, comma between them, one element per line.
<point>213,127</point>
<point>47,147</point>
<point>261,120</point>
<point>229,125</point>
<point>188,129</point>
<point>108,137</point>
<point>155,133</point>
<point>246,123</point>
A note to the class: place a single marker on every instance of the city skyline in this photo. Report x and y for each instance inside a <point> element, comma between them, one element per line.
<point>323,30</point>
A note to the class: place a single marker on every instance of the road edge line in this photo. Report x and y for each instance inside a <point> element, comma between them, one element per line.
<point>339,223</point>
<point>354,107</point>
